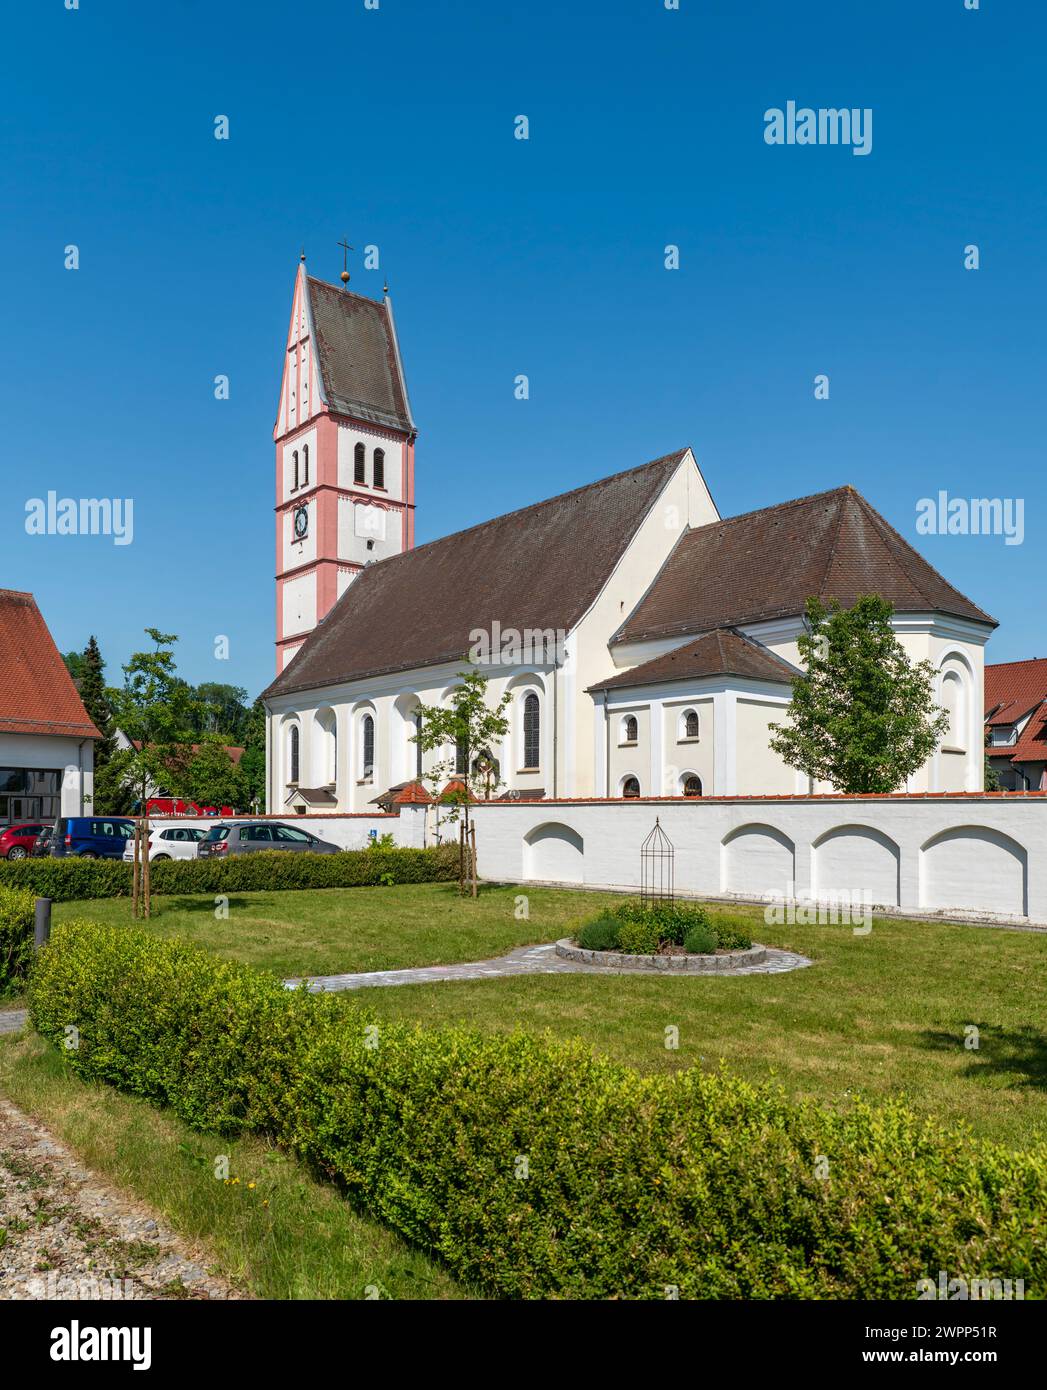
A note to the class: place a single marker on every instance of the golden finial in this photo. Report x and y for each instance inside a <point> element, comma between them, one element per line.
<point>385,286</point>
<point>302,256</point>
<point>346,248</point>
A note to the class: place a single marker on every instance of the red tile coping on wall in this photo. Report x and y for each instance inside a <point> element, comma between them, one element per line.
<point>805,796</point>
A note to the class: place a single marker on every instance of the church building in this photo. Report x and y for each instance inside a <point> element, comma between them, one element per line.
<point>647,643</point>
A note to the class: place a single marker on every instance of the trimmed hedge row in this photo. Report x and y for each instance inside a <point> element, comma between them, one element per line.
<point>16,937</point>
<point>535,1169</point>
<point>68,880</point>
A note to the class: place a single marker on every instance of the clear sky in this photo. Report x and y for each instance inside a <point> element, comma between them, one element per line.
<point>545,257</point>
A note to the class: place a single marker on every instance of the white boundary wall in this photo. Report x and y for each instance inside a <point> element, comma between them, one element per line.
<point>973,855</point>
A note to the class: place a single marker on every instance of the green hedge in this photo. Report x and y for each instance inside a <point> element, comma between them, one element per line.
<point>73,879</point>
<point>640,928</point>
<point>535,1169</point>
<point>16,937</point>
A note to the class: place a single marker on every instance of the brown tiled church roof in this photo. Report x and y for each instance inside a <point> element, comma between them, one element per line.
<point>359,356</point>
<point>37,694</point>
<point>540,567</point>
<point>765,564</point>
<point>723,652</point>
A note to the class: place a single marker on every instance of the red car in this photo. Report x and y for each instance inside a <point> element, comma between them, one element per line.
<point>17,841</point>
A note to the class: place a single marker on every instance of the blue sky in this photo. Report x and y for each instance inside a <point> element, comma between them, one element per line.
<point>542,257</point>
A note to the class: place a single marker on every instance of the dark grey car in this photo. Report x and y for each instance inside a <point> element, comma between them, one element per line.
<point>244,837</point>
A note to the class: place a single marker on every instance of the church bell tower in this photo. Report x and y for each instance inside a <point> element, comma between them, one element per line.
<point>344,439</point>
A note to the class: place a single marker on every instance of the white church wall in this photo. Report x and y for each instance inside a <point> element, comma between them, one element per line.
<point>684,501</point>
<point>971,855</point>
<point>298,596</point>
<point>683,756</point>
<point>760,769</point>
<point>360,522</point>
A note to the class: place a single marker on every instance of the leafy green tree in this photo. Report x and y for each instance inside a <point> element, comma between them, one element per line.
<point>473,729</point>
<point>863,717</point>
<point>252,764</point>
<point>992,781</point>
<point>221,709</point>
<point>74,664</point>
<point>209,776</point>
<point>154,710</point>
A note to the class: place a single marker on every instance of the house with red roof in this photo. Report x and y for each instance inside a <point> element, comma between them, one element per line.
<point>1016,723</point>
<point>46,735</point>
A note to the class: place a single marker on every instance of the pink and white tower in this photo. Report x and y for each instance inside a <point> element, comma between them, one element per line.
<point>344,453</point>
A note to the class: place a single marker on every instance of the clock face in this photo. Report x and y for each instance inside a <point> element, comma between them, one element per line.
<point>301,521</point>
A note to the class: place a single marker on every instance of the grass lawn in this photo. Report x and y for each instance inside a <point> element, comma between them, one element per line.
<point>306,1243</point>
<point>331,931</point>
<point>884,1014</point>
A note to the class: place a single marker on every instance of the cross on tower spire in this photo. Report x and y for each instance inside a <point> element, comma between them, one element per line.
<point>346,248</point>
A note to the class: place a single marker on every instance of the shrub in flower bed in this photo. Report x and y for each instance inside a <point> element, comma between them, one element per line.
<point>16,937</point>
<point>66,880</point>
<point>644,929</point>
<point>696,1182</point>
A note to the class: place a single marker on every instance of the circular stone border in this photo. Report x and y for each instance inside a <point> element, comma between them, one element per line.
<point>618,960</point>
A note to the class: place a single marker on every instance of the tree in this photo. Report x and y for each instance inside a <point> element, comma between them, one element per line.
<point>472,728</point>
<point>154,710</point>
<point>252,764</point>
<point>863,717</point>
<point>221,709</point>
<point>210,777</point>
<point>992,781</point>
<point>91,684</point>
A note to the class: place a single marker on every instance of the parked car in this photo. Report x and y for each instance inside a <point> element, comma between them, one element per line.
<point>169,842</point>
<point>17,841</point>
<point>91,837</point>
<point>244,837</point>
<point>42,844</point>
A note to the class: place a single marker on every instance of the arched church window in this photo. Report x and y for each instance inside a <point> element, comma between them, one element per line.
<point>631,788</point>
<point>293,755</point>
<point>630,730</point>
<point>294,456</point>
<point>689,724</point>
<point>367,732</point>
<point>305,461</point>
<point>531,731</point>
<point>692,785</point>
<point>359,464</point>
<point>379,468</point>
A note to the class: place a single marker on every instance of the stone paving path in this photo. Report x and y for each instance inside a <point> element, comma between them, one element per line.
<point>66,1234</point>
<point>527,960</point>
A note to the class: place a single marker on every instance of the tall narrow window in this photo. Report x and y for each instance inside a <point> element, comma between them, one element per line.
<point>293,758</point>
<point>359,464</point>
<point>690,724</point>
<point>295,457</point>
<point>368,747</point>
<point>418,744</point>
<point>629,729</point>
<point>379,468</point>
<point>531,732</point>
<point>461,757</point>
<point>305,462</point>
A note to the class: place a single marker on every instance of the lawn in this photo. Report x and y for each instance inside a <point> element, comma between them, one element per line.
<point>277,1232</point>
<point>331,931</point>
<point>884,1014</point>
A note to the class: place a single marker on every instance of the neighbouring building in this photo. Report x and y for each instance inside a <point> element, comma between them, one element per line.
<point>1016,723</point>
<point>646,643</point>
<point>46,736</point>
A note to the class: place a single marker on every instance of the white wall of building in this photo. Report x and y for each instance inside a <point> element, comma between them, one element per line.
<point>73,757</point>
<point>971,855</point>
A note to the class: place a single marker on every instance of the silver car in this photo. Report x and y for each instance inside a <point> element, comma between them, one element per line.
<point>248,836</point>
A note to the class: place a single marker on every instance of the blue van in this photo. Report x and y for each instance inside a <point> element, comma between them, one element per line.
<point>91,837</point>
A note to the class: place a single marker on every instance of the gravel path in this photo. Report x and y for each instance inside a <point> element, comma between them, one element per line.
<point>64,1234</point>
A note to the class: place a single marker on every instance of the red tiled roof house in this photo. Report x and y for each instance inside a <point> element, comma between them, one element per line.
<point>1016,723</point>
<point>46,736</point>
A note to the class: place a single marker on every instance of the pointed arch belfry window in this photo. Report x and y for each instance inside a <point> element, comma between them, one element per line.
<point>305,463</point>
<point>379,468</point>
<point>294,456</point>
<point>360,464</point>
